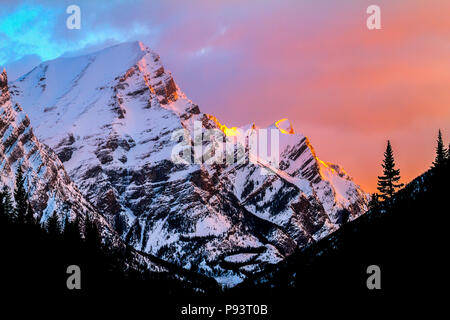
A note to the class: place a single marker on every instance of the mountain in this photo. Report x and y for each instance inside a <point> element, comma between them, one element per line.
<point>116,120</point>
<point>50,189</point>
<point>49,186</point>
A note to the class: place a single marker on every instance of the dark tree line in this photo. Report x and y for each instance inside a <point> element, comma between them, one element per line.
<point>388,183</point>
<point>36,254</point>
<point>406,238</point>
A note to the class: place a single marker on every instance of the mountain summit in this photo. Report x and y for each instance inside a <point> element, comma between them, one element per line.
<point>111,117</point>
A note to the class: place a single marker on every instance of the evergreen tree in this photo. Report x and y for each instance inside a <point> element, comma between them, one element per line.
<point>7,202</point>
<point>94,254</point>
<point>92,234</point>
<point>374,202</point>
<point>29,216</point>
<point>66,214</point>
<point>3,216</point>
<point>53,227</point>
<point>441,152</point>
<point>71,231</point>
<point>66,226</point>
<point>20,197</point>
<point>388,182</point>
<point>448,152</point>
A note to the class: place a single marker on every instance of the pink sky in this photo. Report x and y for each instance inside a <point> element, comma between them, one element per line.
<point>347,88</point>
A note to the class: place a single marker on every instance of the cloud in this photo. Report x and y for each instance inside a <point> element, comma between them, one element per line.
<point>39,27</point>
<point>349,89</point>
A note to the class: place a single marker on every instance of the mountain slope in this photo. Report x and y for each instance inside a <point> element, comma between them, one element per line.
<point>52,192</point>
<point>115,117</point>
<point>406,238</point>
<point>49,186</point>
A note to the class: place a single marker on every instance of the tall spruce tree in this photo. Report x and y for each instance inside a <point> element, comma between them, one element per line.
<point>92,233</point>
<point>20,197</point>
<point>29,216</point>
<point>72,232</point>
<point>53,226</point>
<point>3,216</point>
<point>7,202</point>
<point>388,182</point>
<point>441,152</point>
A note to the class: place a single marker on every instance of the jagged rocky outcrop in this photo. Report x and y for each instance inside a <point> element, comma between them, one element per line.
<point>47,182</point>
<point>114,118</point>
<point>50,189</point>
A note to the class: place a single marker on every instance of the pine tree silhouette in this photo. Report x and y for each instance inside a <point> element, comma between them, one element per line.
<point>20,197</point>
<point>441,152</point>
<point>388,182</point>
<point>53,226</point>
<point>72,234</point>
<point>7,206</point>
<point>29,215</point>
<point>3,215</point>
<point>47,251</point>
<point>374,202</point>
<point>92,235</point>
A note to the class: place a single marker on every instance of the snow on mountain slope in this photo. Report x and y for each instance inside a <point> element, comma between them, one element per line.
<point>305,196</point>
<point>111,116</point>
<point>47,182</point>
<point>50,189</point>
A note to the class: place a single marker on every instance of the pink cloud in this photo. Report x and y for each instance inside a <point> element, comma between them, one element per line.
<point>349,89</point>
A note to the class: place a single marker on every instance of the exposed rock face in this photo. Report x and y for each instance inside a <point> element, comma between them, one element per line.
<point>49,185</point>
<point>4,82</point>
<point>50,189</point>
<point>111,118</point>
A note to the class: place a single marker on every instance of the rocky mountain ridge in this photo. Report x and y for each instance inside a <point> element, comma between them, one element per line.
<point>49,187</point>
<point>114,118</point>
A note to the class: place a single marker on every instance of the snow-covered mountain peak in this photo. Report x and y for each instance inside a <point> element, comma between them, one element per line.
<point>71,92</point>
<point>114,117</point>
<point>110,61</point>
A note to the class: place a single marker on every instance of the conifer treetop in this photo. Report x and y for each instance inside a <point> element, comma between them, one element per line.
<point>441,152</point>
<point>388,183</point>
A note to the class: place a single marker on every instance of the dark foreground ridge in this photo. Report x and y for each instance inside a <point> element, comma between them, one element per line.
<point>405,238</point>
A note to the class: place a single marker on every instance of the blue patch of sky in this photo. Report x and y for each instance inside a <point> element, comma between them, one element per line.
<point>29,28</point>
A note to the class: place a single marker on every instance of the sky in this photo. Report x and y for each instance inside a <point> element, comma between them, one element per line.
<point>347,88</point>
